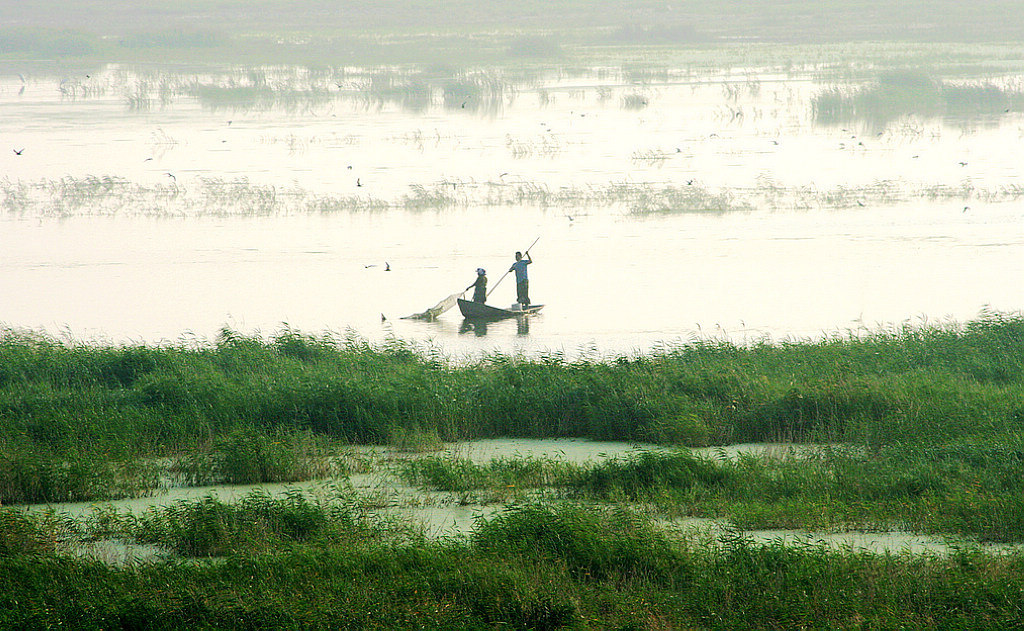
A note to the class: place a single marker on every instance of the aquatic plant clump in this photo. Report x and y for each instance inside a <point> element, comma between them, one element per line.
<point>908,92</point>
<point>28,477</point>
<point>246,456</point>
<point>215,197</point>
<point>259,522</point>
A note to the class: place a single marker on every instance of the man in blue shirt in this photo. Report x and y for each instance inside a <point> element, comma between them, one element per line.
<point>522,283</point>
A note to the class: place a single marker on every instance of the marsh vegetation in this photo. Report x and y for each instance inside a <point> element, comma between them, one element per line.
<point>205,479</point>
<point>916,429</point>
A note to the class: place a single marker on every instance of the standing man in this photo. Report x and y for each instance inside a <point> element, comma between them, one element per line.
<point>522,282</point>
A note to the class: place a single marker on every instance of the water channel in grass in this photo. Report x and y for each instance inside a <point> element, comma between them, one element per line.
<point>449,514</point>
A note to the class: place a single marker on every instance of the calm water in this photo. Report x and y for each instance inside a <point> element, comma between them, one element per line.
<point>612,282</point>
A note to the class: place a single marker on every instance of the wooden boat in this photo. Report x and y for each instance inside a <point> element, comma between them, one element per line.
<point>479,311</point>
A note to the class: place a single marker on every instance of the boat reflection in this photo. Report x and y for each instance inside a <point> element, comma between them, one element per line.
<point>522,325</point>
<point>480,327</point>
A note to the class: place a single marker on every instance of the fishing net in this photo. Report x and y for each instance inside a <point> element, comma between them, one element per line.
<point>436,310</point>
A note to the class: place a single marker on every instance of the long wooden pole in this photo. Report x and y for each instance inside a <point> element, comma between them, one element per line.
<point>527,251</point>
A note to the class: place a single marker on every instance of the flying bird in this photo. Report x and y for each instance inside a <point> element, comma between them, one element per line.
<point>387,266</point>
<point>171,175</point>
<point>18,151</point>
<point>358,183</point>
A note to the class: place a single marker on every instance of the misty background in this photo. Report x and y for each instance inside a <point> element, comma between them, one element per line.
<point>467,31</point>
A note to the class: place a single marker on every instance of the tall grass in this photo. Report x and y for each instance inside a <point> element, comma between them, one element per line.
<point>257,523</point>
<point>66,402</point>
<point>461,474</point>
<point>536,567</point>
<point>247,456</point>
<point>927,384</point>
<point>966,490</point>
<point>31,476</point>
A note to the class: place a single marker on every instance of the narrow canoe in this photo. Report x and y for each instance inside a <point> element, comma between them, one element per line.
<point>479,311</point>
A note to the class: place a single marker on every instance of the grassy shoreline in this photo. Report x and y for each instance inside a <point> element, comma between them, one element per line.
<point>929,385</point>
<point>926,420</point>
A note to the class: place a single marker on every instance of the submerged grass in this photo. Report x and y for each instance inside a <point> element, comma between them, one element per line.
<point>216,197</point>
<point>900,93</point>
<point>258,523</point>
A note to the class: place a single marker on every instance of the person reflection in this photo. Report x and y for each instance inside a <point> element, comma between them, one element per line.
<point>478,327</point>
<point>522,326</point>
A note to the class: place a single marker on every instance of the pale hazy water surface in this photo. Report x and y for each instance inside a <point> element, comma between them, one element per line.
<point>613,282</point>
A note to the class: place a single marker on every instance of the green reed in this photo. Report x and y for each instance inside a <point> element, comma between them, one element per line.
<point>247,456</point>
<point>67,402</point>
<point>449,473</point>
<point>256,523</point>
<point>968,490</point>
<point>289,563</point>
<point>30,476</point>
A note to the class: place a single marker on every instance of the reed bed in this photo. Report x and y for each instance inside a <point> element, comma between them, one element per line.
<point>537,566</point>
<point>65,403</point>
<point>918,428</point>
<point>217,197</point>
<point>900,93</point>
<point>247,456</point>
<point>258,523</point>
